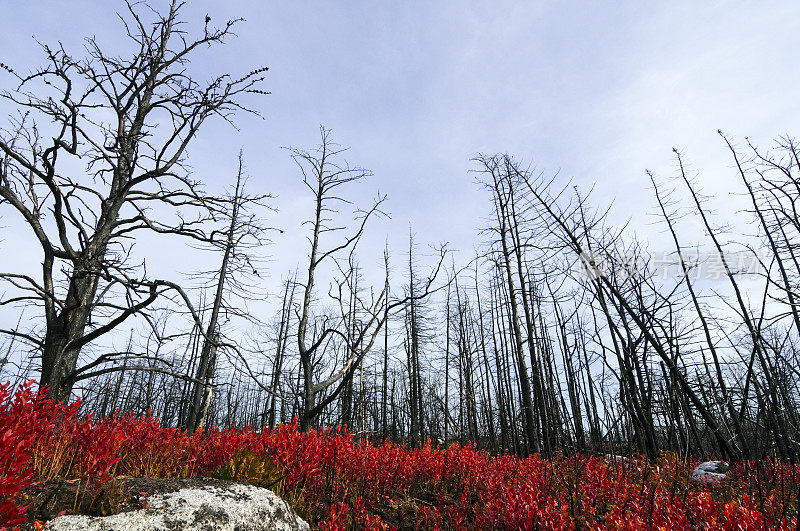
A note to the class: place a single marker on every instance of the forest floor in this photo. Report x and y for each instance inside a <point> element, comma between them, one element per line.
<point>49,499</point>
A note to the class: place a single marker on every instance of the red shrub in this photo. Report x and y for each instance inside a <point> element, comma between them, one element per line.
<point>337,483</point>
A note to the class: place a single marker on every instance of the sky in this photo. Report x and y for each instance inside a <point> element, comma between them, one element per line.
<point>592,91</point>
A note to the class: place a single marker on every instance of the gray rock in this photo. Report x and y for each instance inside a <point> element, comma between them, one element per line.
<point>211,507</point>
<point>711,472</point>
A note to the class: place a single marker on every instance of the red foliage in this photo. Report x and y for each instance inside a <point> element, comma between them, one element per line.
<point>20,424</point>
<point>338,483</point>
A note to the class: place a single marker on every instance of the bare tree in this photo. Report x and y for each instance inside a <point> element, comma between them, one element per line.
<point>244,233</point>
<point>96,155</point>
<point>324,176</point>
<point>500,176</point>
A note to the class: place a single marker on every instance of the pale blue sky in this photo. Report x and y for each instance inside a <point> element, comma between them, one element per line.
<point>596,91</point>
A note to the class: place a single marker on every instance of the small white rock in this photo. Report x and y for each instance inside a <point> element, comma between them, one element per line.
<point>711,472</point>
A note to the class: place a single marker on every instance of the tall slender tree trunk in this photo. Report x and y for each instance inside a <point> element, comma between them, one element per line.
<point>203,385</point>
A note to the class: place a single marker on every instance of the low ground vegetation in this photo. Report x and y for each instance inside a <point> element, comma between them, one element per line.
<point>53,459</point>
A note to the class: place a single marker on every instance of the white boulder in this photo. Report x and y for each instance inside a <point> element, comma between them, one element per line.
<point>210,507</point>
